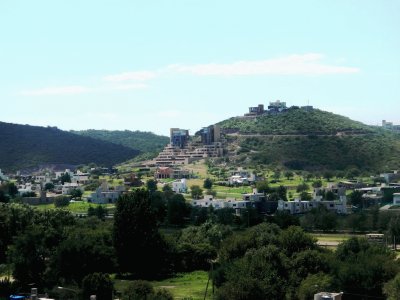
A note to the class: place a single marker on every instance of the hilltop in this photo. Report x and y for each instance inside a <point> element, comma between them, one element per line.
<point>311,140</point>
<point>143,141</point>
<point>25,146</point>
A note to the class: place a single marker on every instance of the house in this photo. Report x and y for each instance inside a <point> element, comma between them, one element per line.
<point>80,177</point>
<point>328,296</point>
<point>237,205</point>
<point>68,187</point>
<point>163,173</point>
<point>104,194</point>
<point>396,199</point>
<point>2,176</point>
<point>179,186</point>
<point>301,206</point>
<point>59,174</point>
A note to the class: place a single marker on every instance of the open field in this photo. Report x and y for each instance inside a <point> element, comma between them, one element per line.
<point>76,207</point>
<point>332,240</point>
<point>184,285</point>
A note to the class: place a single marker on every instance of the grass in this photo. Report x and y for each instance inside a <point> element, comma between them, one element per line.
<point>334,237</point>
<point>184,285</point>
<point>76,207</point>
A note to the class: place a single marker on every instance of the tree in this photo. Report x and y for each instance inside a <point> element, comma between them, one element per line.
<point>282,191</point>
<point>277,174</point>
<point>355,199</point>
<point>302,187</point>
<point>99,211</point>
<point>151,185</point>
<point>196,191</point>
<point>207,184</point>
<point>305,196</point>
<point>289,175</point>
<point>262,186</point>
<point>328,175</point>
<point>61,201</point>
<point>317,184</point>
<point>3,197</point>
<point>12,189</point>
<point>392,288</point>
<point>138,245</point>
<point>313,284</point>
<point>86,249</point>
<point>177,210</point>
<point>76,193</point>
<point>49,186</point>
<point>65,177</point>
<point>141,289</point>
<point>98,284</point>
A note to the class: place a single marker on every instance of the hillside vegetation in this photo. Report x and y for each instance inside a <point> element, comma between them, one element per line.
<point>313,140</point>
<point>297,121</point>
<point>24,146</point>
<point>143,141</point>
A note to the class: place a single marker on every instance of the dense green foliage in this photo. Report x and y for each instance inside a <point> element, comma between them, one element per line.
<point>297,121</point>
<point>267,262</point>
<point>24,146</point>
<point>143,141</point>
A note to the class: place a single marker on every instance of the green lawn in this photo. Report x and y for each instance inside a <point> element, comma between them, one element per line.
<point>76,207</point>
<point>184,285</point>
<point>334,237</point>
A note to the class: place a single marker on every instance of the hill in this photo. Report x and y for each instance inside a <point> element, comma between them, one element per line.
<point>143,141</point>
<point>24,146</point>
<point>312,140</point>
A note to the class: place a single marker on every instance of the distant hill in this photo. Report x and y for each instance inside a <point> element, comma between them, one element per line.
<point>311,140</point>
<point>24,146</point>
<point>143,141</point>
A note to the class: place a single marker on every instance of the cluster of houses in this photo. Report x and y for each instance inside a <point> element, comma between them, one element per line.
<point>274,107</point>
<point>265,206</point>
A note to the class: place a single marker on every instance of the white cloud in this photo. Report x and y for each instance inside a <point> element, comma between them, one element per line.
<point>132,76</point>
<point>306,64</point>
<point>64,90</point>
<point>297,64</point>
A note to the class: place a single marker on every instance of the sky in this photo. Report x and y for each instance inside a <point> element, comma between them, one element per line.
<point>156,64</point>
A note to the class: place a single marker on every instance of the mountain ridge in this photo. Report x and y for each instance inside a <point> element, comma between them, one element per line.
<point>26,146</point>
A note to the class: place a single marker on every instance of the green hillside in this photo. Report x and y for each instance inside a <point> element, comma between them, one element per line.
<point>143,141</point>
<point>24,146</point>
<point>312,140</point>
<point>297,121</point>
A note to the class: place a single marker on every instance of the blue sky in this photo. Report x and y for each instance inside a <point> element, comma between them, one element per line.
<point>151,65</point>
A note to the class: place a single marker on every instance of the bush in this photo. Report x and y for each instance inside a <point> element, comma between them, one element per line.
<point>98,284</point>
<point>61,201</point>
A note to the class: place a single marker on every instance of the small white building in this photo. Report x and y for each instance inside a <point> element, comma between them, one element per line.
<point>179,186</point>
<point>68,187</point>
<point>80,177</point>
<point>2,176</point>
<point>59,174</point>
<point>237,205</point>
<point>396,199</point>
<point>104,194</point>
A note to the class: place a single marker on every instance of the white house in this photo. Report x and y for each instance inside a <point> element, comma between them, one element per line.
<point>237,205</point>
<point>104,194</point>
<point>298,206</point>
<point>179,186</point>
<point>80,177</point>
<point>2,176</point>
<point>68,187</point>
<point>396,199</point>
